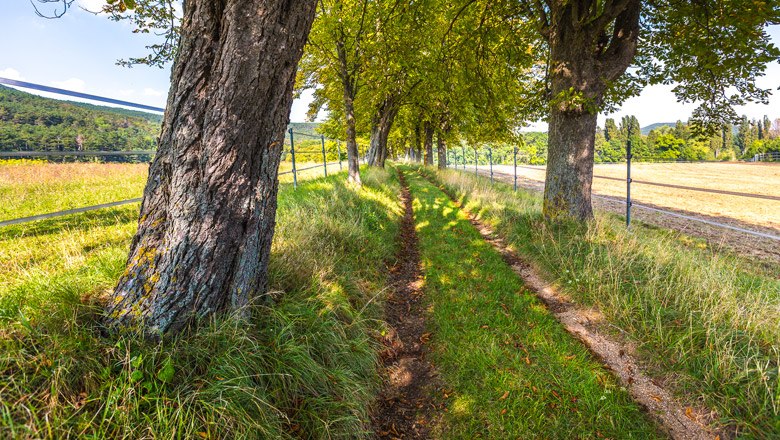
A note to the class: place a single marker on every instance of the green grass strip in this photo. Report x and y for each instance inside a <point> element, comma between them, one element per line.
<point>703,321</point>
<point>510,369</point>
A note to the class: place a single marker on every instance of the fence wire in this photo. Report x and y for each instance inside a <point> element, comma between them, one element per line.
<point>462,166</point>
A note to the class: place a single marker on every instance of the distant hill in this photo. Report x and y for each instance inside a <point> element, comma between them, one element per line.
<point>309,128</point>
<point>647,129</point>
<point>34,123</point>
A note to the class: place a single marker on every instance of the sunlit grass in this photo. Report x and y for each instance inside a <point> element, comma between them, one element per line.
<point>707,323</point>
<point>509,368</point>
<point>303,368</point>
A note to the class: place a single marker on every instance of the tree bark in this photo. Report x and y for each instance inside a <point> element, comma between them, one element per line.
<point>209,206</point>
<point>381,125</point>
<point>441,147</point>
<point>348,83</point>
<point>584,59</point>
<point>428,142</point>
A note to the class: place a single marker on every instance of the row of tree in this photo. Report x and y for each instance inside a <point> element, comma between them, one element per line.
<point>406,72</point>
<point>680,142</point>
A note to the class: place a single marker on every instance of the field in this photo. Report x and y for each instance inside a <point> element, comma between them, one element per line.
<point>754,178</point>
<point>34,187</point>
<point>762,215</point>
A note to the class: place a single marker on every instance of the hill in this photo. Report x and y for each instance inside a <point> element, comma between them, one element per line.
<point>648,128</point>
<point>307,128</point>
<point>33,123</point>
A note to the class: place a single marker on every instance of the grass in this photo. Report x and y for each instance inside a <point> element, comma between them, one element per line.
<point>29,188</point>
<point>305,368</point>
<point>510,369</point>
<point>707,324</point>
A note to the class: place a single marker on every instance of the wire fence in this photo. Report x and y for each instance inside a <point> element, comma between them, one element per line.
<point>328,152</point>
<point>457,160</point>
<point>772,156</point>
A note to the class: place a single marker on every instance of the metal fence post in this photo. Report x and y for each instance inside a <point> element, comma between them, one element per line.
<point>628,179</point>
<point>490,160</point>
<point>324,156</point>
<point>514,161</point>
<point>292,154</point>
<point>338,147</point>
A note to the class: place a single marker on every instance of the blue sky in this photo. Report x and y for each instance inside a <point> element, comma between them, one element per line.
<point>79,52</point>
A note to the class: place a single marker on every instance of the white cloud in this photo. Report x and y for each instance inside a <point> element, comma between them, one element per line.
<point>152,92</point>
<point>126,92</point>
<point>92,5</point>
<point>11,73</point>
<point>73,84</point>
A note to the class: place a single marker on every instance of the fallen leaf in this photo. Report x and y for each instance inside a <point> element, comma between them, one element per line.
<point>689,413</point>
<point>503,411</point>
<point>506,394</point>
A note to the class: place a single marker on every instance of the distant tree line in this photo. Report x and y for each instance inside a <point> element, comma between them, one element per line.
<point>677,142</point>
<point>33,123</point>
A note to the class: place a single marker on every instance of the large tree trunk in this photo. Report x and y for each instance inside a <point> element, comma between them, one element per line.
<point>441,149</point>
<point>353,155</point>
<point>381,125</point>
<point>584,59</point>
<point>208,212</point>
<point>428,142</point>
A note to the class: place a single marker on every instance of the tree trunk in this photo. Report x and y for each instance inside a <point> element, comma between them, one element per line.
<point>380,131</point>
<point>353,155</point>
<point>441,147</point>
<point>418,142</point>
<point>428,142</point>
<point>208,212</point>
<point>584,59</point>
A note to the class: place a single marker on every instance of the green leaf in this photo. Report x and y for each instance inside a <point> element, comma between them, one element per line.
<point>167,371</point>
<point>137,375</point>
<point>130,4</point>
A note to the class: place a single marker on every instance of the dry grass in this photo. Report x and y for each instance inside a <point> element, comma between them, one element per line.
<point>30,188</point>
<point>759,178</point>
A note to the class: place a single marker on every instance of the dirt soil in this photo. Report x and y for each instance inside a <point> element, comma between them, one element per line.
<point>406,407</point>
<point>681,423</point>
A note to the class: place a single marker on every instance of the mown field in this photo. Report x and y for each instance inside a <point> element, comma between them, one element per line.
<point>754,178</point>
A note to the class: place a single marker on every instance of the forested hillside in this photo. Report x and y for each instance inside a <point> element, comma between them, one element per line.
<point>33,123</point>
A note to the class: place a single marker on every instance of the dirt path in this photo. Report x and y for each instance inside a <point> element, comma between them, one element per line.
<point>681,423</point>
<point>405,406</point>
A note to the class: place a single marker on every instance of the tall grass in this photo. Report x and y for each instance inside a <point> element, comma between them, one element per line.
<point>706,323</point>
<point>304,367</point>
